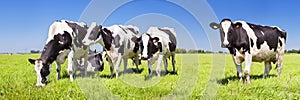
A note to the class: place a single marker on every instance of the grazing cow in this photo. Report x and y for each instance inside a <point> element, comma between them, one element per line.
<point>43,69</point>
<point>118,42</point>
<point>95,62</point>
<point>249,42</point>
<point>64,38</point>
<point>156,45</point>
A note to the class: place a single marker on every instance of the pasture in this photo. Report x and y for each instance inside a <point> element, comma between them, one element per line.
<point>18,79</point>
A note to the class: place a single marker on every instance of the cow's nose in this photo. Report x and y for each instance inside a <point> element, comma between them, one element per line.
<point>225,44</point>
<point>144,58</point>
<point>43,81</point>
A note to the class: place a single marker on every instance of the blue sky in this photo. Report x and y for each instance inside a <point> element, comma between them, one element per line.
<point>25,23</point>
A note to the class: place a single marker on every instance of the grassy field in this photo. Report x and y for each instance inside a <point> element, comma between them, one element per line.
<point>198,77</point>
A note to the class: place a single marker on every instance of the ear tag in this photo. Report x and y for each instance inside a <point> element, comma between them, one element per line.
<point>215,27</point>
<point>154,41</point>
<point>237,26</point>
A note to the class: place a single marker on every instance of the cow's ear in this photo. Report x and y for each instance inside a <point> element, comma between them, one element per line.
<point>237,25</point>
<point>155,39</point>
<point>32,61</point>
<point>214,25</point>
<point>72,25</point>
<point>100,28</point>
<point>138,39</point>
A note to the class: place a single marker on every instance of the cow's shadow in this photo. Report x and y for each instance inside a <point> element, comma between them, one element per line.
<point>128,71</point>
<point>226,80</point>
<point>132,71</point>
<point>162,73</point>
<point>64,74</point>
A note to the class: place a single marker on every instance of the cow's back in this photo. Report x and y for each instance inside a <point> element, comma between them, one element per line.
<point>167,36</point>
<point>266,42</point>
<point>123,38</point>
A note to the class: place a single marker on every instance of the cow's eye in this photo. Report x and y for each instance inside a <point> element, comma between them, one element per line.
<point>229,32</point>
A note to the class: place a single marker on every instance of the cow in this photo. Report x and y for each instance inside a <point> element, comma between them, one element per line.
<point>252,43</point>
<point>64,39</point>
<point>158,44</point>
<point>42,69</point>
<point>118,42</point>
<point>95,62</point>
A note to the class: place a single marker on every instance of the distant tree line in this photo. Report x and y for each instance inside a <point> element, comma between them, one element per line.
<point>193,51</point>
<point>35,51</point>
<point>292,51</point>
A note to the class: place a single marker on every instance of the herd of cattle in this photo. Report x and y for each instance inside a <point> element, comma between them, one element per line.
<point>71,40</point>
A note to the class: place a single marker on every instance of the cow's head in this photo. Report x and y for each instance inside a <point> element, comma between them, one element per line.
<point>42,71</point>
<point>93,34</point>
<point>96,60</point>
<point>149,46</point>
<point>227,31</point>
<point>56,44</point>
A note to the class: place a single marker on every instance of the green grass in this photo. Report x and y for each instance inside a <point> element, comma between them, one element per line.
<point>198,77</point>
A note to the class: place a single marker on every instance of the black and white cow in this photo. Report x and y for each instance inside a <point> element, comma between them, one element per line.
<point>95,62</point>
<point>118,42</point>
<point>249,42</point>
<point>158,44</point>
<point>64,38</point>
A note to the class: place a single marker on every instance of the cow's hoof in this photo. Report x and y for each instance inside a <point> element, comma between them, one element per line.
<point>158,74</point>
<point>40,85</point>
<point>248,82</point>
<point>58,77</point>
<point>240,80</point>
<point>112,76</point>
<point>264,77</point>
<point>70,72</point>
<point>136,71</point>
<point>173,73</point>
<point>148,77</point>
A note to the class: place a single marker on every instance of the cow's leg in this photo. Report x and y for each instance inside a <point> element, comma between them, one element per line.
<point>159,61</point>
<point>70,65</point>
<point>58,68</point>
<point>118,65</point>
<point>125,60</point>
<point>239,72</point>
<point>238,65</point>
<point>111,67</point>
<point>248,62</point>
<point>149,68</point>
<point>85,63</point>
<point>166,65</point>
<point>173,64</point>
<point>136,59</point>
<point>279,64</point>
<point>268,67</point>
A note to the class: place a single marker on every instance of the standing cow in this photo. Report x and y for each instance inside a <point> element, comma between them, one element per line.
<point>64,38</point>
<point>118,42</point>
<point>158,44</point>
<point>249,42</point>
<point>95,62</point>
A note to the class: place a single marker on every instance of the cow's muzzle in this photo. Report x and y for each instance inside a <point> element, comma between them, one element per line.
<point>144,58</point>
<point>225,46</point>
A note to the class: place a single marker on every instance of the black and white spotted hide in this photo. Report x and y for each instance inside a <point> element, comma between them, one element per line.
<point>249,42</point>
<point>158,44</point>
<point>118,42</point>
